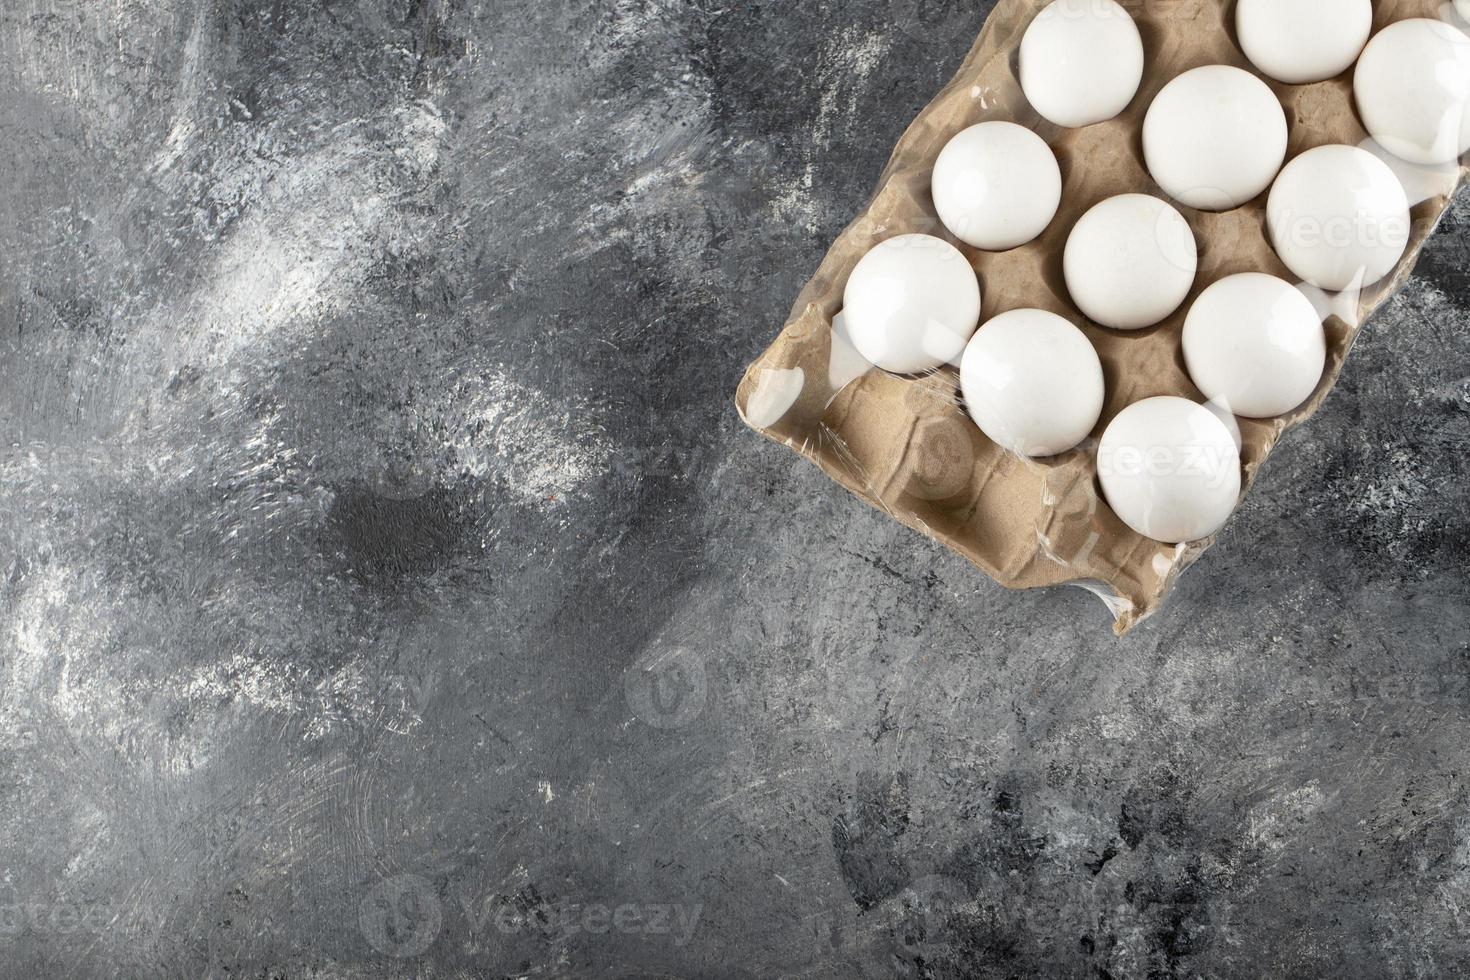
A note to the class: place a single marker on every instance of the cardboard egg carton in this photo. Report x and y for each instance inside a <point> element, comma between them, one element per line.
<point>906,446</point>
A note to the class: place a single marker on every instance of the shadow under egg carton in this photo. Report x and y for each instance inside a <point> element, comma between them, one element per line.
<point>905,444</point>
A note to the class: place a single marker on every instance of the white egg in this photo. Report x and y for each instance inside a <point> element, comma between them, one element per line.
<point>1214,137</point>
<point>1130,261</point>
<point>1338,217</point>
<point>911,304</point>
<point>1032,382</point>
<point>1254,344</point>
<point>1413,90</point>
<point>996,185</point>
<point>1300,41</point>
<point>1170,469</point>
<point>1081,61</point>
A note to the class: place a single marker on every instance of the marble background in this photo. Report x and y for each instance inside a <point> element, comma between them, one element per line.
<point>389,588</point>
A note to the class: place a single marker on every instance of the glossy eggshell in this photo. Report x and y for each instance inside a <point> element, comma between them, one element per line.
<point>1412,86</point>
<point>1170,469</point>
<point>911,304</point>
<point>1301,41</point>
<point>1081,61</point>
<point>996,185</point>
<point>1032,382</point>
<point>1254,344</point>
<point>1130,261</point>
<point>1214,137</point>
<point>1338,217</point>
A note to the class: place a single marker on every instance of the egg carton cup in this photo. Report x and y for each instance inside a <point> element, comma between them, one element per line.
<point>905,444</point>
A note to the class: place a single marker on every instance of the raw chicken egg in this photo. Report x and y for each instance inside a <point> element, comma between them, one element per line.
<point>1032,382</point>
<point>996,185</point>
<point>1130,261</point>
<point>1081,61</point>
<point>1214,137</point>
<point>1413,90</point>
<point>1338,217</point>
<point>1254,344</point>
<point>911,304</point>
<point>1170,469</point>
<point>1300,41</point>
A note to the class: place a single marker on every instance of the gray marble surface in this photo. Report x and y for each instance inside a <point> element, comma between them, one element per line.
<point>389,588</point>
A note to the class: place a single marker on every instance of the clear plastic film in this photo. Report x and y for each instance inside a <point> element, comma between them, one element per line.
<point>905,444</point>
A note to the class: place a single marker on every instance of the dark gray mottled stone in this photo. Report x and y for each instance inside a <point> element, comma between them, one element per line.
<point>390,589</point>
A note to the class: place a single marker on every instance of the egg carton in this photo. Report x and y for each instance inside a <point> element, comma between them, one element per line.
<point>905,444</point>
